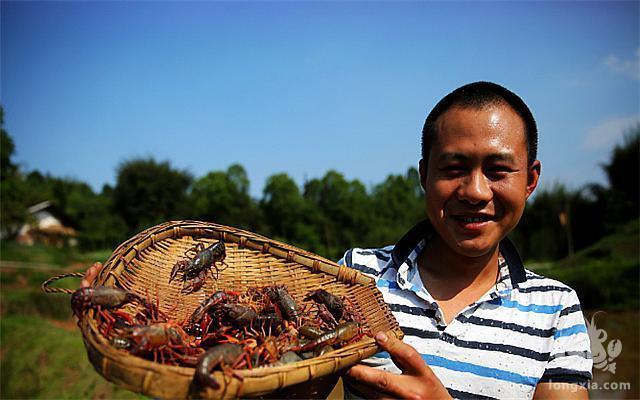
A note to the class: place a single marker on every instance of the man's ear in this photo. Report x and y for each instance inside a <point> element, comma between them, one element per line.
<point>533,174</point>
<point>423,174</point>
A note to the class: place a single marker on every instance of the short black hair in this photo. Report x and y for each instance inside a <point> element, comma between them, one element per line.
<point>478,95</point>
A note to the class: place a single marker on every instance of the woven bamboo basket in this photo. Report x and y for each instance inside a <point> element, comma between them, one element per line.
<point>142,265</point>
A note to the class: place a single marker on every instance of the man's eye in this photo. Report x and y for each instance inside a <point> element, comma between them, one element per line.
<point>502,168</point>
<point>453,168</point>
<point>499,170</point>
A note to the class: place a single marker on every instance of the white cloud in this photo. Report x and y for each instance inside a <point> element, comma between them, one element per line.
<point>629,67</point>
<point>609,131</point>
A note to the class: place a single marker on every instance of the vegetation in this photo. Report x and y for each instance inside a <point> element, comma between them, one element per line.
<point>605,275</point>
<point>58,256</point>
<point>327,215</point>
<point>42,351</point>
<point>46,359</point>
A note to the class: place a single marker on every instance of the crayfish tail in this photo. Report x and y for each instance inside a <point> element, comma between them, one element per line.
<point>207,380</point>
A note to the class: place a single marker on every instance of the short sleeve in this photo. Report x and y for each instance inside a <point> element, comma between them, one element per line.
<point>570,358</point>
<point>346,258</point>
<point>371,262</point>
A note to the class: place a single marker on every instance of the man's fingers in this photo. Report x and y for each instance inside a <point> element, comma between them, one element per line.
<point>91,274</point>
<point>403,355</point>
<point>384,382</point>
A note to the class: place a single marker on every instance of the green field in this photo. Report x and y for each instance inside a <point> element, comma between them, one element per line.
<point>605,275</point>
<point>45,358</point>
<point>55,256</point>
<point>42,353</point>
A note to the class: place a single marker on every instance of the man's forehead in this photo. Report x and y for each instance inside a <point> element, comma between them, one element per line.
<point>504,155</point>
<point>461,121</point>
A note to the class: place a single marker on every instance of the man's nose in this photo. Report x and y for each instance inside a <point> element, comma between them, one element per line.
<point>475,189</point>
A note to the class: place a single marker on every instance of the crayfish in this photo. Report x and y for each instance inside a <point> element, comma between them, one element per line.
<point>195,270</point>
<point>225,356</point>
<point>228,330</point>
<point>217,298</point>
<point>286,306</point>
<point>160,339</point>
<point>332,309</point>
<point>329,302</point>
<point>345,332</point>
<point>103,296</point>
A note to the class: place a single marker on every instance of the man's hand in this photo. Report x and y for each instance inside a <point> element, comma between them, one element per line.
<point>416,382</point>
<point>91,274</point>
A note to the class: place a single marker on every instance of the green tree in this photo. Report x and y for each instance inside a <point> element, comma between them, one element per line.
<point>541,234</point>
<point>12,187</point>
<point>341,211</point>
<point>287,215</point>
<point>148,192</point>
<point>100,226</point>
<point>223,197</point>
<point>283,206</point>
<point>13,207</point>
<point>399,204</point>
<point>7,148</point>
<point>623,173</point>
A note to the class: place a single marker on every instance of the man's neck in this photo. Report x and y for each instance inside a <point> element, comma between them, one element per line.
<point>446,273</point>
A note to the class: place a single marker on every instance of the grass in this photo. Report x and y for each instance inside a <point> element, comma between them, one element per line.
<point>40,254</point>
<point>605,275</point>
<point>602,284</point>
<point>40,360</point>
<point>621,246</point>
<point>34,302</point>
<point>42,354</point>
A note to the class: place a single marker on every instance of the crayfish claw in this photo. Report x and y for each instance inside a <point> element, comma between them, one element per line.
<point>174,271</point>
<point>195,284</point>
<point>187,289</point>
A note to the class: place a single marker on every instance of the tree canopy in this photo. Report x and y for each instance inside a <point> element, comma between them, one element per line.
<point>326,215</point>
<point>148,192</point>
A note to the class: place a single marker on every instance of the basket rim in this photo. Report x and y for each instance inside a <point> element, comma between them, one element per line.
<point>131,248</point>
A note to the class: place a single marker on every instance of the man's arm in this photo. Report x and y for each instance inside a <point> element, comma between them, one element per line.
<point>569,369</point>
<point>416,382</point>
<point>548,390</point>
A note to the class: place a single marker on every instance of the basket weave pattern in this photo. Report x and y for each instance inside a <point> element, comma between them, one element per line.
<point>143,263</point>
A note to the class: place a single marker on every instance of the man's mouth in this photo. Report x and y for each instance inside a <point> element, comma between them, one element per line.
<point>472,219</point>
<point>474,223</point>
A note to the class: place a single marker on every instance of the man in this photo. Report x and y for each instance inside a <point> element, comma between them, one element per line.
<point>482,326</point>
<point>476,323</point>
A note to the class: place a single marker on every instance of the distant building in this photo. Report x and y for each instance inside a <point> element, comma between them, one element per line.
<point>47,225</point>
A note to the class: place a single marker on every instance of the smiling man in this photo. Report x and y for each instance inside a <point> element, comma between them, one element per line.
<point>476,323</point>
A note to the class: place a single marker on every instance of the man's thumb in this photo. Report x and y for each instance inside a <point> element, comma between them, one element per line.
<point>403,355</point>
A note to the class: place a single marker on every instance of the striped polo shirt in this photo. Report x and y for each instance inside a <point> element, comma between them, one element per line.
<point>527,329</point>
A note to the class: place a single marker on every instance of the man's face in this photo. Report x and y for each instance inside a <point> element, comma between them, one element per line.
<point>478,178</point>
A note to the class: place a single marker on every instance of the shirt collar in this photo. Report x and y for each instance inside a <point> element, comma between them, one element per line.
<point>406,251</point>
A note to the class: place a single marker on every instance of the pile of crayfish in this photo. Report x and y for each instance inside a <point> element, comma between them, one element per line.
<point>263,326</point>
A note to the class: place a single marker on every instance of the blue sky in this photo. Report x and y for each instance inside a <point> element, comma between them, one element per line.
<point>305,87</point>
